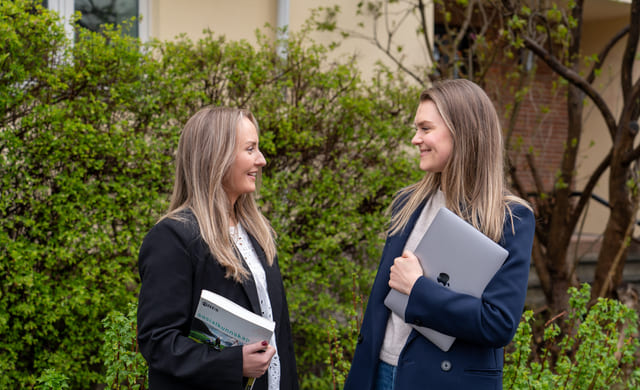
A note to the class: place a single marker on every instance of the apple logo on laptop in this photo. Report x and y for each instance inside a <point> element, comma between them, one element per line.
<point>443,279</point>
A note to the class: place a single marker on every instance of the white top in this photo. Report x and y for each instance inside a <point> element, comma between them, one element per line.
<point>242,242</point>
<point>397,332</point>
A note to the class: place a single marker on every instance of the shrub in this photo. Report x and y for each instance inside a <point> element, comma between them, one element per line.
<point>125,366</point>
<point>83,173</point>
<point>86,147</point>
<point>599,352</point>
<point>599,344</point>
<point>52,380</point>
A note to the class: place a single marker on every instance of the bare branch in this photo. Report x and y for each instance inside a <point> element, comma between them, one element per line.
<point>425,30</point>
<point>620,255</point>
<point>605,52</point>
<point>515,180</point>
<point>465,24</point>
<point>575,79</point>
<point>626,71</point>
<point>547,28</point>
<point>399,63</point>
<point>534,172</point>
<point>588,188</point>
<point>634,155</point>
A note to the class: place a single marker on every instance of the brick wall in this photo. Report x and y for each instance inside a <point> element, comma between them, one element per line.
<point>541,125</point>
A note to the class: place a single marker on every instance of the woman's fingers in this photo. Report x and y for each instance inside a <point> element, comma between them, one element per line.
<point>256,358</point>
<point>404,272</point>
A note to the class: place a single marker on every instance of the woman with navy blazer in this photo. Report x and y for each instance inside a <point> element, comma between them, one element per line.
<point>215,238</point>
<point>459,137</point>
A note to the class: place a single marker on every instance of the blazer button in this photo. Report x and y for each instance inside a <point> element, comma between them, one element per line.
<point>445,365</point>
<point>360,338</point>
<point>418,322</point>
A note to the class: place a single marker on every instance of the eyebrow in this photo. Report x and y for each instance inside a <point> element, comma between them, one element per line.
<point>422,123</point>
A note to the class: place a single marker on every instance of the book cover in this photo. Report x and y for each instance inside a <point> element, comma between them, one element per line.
<point>220,323</point>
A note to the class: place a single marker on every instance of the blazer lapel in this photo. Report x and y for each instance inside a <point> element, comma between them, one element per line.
<point>397,242</point>
<point>393,248</point>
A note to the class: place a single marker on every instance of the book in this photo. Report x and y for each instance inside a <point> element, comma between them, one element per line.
<point>221,323</point>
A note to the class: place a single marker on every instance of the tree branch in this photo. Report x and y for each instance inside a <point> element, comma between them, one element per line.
<point>425,30</point>
<point>575,79</point>
<point>634,155</point>
<point>588,188</point>
<point>628,59</point>
<point>605,52</point>
<point>622,250</point>
<point>534,173</point>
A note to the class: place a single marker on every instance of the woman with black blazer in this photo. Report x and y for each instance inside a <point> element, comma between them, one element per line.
<point>458,134</point>
<point>213,237</point>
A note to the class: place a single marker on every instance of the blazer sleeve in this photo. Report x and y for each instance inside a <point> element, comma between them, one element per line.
<point>167,260</point>
<point>492,319</point>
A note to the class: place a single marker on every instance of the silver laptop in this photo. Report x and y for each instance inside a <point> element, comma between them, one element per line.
<point>457,256</point>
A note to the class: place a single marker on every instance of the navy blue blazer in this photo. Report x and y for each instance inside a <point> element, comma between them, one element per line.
<point>482,326</point>
<point>175,264</point>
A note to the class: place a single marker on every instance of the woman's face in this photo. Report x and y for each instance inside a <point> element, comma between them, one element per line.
<point>432,137</point>
<point>247,163</point>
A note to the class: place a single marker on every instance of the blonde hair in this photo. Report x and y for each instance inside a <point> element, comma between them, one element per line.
<point>472,180</point>
<point>205,152</point>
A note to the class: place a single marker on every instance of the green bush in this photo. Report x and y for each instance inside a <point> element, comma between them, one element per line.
<point>599,351</point>
<point>597,348</point>
<point>125,366</point>
<point>84,171</point>
<point>52,380</point>
<point>86,146</point>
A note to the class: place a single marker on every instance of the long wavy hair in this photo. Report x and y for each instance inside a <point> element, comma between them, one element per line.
<point>473,179</point>
<point>205,153</point>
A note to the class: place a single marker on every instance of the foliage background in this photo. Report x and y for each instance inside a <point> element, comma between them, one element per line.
<point>86,148</point>
<point>87,136</point>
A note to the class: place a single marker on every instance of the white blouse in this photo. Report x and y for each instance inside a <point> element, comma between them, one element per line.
<point>241,239</point>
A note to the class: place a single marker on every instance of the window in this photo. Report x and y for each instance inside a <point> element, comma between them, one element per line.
<point>464,61</point>
<point>95,13</point>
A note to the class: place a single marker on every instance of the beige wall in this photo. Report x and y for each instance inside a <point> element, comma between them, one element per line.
<point>596,33</point>
<point>238,19</point>
<point>367,54</point>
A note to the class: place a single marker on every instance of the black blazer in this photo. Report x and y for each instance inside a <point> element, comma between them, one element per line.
<point>175,265</point>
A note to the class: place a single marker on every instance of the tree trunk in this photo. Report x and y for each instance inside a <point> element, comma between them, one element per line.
<point>619,220</point>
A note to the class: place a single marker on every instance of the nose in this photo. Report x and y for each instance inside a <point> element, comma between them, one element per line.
<point>260,160</point>
<point>416,140</point>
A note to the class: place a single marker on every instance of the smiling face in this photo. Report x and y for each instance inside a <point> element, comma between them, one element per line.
<point>247,163</point>
<point>432,137</point>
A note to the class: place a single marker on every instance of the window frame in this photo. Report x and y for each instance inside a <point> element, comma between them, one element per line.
<point>66,8</point>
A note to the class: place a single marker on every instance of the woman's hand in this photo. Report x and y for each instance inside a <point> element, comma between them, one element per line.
<point>256,358</point>
<point>405,270</point>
